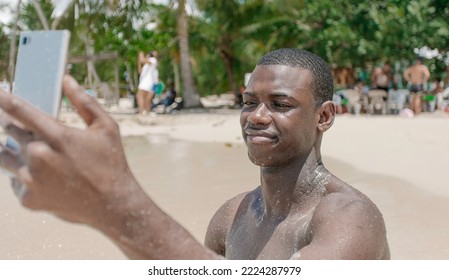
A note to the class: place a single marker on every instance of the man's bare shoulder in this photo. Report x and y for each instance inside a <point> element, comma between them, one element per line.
<point>347,224</point>
<point>340,194</point>
<point>221,223</point>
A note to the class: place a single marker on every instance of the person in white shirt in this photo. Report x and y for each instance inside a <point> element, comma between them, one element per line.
<point>149,76</point>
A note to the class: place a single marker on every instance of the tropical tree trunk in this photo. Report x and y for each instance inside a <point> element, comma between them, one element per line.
<point>94,80</point>
<point>41,15</point>
<point>176,75</point>
<point>446,82</point>
<point>190,95</point>
<point>228,60</point>
<point>13,46</point>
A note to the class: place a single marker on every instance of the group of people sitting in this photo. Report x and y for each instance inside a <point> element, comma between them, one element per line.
<point>384,96</point>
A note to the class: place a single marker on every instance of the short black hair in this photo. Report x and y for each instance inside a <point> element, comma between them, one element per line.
<point>322,81</point>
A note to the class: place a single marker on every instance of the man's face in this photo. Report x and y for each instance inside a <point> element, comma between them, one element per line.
<point>279,117</point>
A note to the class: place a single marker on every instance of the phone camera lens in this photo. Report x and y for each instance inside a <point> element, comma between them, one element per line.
<point>25,40</point>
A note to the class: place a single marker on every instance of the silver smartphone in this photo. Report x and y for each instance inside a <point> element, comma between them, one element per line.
<point>40,67</point>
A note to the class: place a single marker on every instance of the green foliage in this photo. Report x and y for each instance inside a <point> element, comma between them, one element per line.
<point>4,51</point>
<point>227,38</point>
<point>29,18</point>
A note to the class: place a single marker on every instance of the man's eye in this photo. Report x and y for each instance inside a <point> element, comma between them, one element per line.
<point>281,105</point>
<point>249,103</point>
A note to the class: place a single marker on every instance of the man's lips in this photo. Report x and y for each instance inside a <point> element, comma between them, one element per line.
<point>260,136</point>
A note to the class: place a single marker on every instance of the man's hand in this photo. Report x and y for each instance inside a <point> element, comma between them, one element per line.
<point>74,173</point>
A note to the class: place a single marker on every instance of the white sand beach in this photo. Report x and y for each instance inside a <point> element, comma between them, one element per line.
<point>191,162</point>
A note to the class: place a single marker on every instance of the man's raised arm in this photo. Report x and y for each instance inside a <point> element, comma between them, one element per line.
<point>82,175</point>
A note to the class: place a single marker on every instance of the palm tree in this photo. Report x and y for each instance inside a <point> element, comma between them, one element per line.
<point>13,46</point>
<point>191,96</point>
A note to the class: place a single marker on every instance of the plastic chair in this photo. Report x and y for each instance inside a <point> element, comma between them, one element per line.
<point>397,100</point>
<point>443,100</point>
<point>377,104</point>
<point>355,100</point>
<point>336,99</point>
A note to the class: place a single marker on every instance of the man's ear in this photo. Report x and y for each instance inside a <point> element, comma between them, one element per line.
<point>327,115</point>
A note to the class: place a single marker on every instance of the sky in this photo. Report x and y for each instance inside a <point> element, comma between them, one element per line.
<point>5,15</point>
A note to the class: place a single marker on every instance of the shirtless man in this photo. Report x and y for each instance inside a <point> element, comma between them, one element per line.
<point>381,78</point>
<point>417,76</point>
<point>299,211</point>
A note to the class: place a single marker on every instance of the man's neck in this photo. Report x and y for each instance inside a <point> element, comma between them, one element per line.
<point>293,186</point>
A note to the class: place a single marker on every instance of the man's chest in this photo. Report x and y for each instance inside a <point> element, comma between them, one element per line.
<point>250,240</point>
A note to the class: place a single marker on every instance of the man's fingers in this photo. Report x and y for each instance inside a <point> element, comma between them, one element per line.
<point>22,136</point>
<point>31,117</point>
<point>9,160</point>
<point>14,129</point>
<point>18,188</point>
<point>87,107</point>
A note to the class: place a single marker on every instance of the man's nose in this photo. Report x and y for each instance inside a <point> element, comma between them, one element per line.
<point>261,115</point>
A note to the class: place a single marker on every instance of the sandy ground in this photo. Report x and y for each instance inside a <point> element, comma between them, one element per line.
<point>191,162</point>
